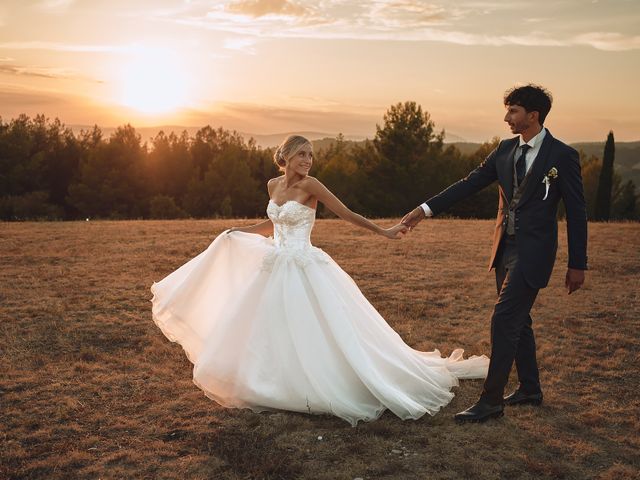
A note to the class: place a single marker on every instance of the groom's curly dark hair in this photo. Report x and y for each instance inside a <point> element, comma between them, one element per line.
<point>532,97</point>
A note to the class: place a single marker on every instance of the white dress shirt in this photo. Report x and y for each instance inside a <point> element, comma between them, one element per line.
<point>535,143</point>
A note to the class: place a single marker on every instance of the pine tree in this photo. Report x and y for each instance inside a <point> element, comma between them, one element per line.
<point>603,197</point>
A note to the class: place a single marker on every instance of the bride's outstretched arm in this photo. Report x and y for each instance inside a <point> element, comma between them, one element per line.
<point>263,228</point>
<point>314,187</point>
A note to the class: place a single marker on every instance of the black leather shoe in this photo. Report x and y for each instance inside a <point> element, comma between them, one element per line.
<point>520,398</point>
<point>480,412</point>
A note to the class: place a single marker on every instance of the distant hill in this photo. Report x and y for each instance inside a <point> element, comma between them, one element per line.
<point>466,148</point>
<point>146,133</point>
<point>262,140</point>
<point>627,160</point>
<point>267,141</point>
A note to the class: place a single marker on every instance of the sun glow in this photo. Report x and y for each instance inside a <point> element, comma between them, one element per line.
<point>154,82</point>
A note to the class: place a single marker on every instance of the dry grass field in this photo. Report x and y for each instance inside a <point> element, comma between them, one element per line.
<point>90,388</point>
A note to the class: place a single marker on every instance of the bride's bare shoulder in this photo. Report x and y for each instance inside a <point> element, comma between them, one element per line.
<point>309,180</point>
<point>311,184</point>
<point>271,183</point>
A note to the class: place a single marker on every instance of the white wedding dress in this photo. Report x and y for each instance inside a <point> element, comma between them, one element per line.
<point>277,324</point>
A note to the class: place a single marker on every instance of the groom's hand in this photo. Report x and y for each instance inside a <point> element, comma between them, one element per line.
<point>413,218</point>
<point>574,279</point>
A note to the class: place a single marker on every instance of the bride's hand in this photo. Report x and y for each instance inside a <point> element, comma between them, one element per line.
<point>396,232</point>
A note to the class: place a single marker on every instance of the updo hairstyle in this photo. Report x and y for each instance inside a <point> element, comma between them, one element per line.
<point>288,148</point>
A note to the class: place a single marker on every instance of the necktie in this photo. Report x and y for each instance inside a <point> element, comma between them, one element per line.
<point>521,164</point>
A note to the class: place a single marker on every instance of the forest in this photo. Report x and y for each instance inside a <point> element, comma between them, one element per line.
<point>49,172</point>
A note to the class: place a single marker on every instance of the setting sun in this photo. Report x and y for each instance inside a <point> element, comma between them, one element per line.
<point>271,67</point>
<point>154,83</point>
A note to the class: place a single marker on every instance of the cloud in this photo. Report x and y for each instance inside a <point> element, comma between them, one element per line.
<point>257,17</point>
<point>28,72</point>
<point>488,8</point>
<point>394,20</point>
<point>241,44</point>
<point>536,19</point>
<point>332,119</point>
<point>41,72</point>
<point>609,41</point>
<point>261,8</point>
<point>406,14</point>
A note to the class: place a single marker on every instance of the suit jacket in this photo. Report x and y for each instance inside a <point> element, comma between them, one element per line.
<point>535,219</point>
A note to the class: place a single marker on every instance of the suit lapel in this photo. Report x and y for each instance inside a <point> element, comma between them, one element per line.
<point>505,170</point>
<point>538,168</point>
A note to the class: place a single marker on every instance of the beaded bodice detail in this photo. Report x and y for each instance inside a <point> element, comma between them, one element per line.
<point>292,225</point>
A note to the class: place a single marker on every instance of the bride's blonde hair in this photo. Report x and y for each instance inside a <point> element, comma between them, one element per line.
<point>288,148</point>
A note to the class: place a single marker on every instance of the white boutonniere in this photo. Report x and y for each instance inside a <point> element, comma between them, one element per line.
<point>552,174</point>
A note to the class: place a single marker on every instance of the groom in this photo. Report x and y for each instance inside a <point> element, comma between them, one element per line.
<point>534,171</point>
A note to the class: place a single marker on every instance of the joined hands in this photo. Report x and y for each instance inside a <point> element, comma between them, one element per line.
<point>413,218</point>
<point>396,232</point>
<point>408,222</point>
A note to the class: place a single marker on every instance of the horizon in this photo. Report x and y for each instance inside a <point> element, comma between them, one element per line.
<point>313,136</point>
<point>273,66</point>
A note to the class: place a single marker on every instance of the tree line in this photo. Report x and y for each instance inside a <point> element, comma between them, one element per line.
<point>48,172</point>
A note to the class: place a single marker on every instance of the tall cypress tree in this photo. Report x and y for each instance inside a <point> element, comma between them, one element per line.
<point>603,197</point>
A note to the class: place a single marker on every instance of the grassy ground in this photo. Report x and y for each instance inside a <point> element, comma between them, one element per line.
<point>89,387</point>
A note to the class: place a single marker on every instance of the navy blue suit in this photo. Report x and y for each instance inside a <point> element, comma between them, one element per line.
<point>524,262</point>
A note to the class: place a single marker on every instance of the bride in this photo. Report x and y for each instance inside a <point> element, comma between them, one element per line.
<point>275,323</point>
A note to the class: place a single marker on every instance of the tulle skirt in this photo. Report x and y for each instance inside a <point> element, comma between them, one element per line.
<point>268,328</point>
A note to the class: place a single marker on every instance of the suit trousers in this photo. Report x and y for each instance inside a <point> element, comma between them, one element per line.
<point>511,331</point>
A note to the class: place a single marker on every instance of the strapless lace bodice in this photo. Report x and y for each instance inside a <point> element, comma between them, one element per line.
<point>292,225</point>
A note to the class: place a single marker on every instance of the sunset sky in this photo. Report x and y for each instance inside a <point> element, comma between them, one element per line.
<point>272,66</point>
